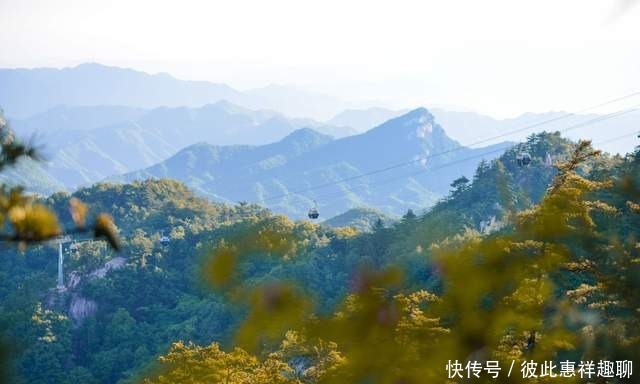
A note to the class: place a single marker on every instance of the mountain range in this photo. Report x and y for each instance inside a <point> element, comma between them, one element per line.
<point>25,92</point>
<point>469,128</point>
<point>286,175</point>
<point>98,122</point>
<point>86,144</point>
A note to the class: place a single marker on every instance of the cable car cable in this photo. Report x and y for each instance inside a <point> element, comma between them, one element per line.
<point>336,196</point>
<point>588,122</point>
<point>444,165</point>
<point>466,146</point>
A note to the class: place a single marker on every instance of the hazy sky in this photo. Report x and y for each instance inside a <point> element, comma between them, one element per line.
<point>498,57</point>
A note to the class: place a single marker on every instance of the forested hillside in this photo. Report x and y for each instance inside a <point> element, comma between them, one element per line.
<point>218,278</point>
<point>119,310</point>
<point>362,219</point>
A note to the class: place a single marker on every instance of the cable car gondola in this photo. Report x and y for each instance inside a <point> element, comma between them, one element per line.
<point>164,240</point>
<point>313,212</point>
<point>523,159</point>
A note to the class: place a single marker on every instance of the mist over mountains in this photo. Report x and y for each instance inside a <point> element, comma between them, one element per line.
<point>106,123</point>
<point>24,92</point>
<point>284,175</point>
<point>363,119</point>
<point>287,192</point>
<point>27,92</point>
<point>88,144</point>
<point>469,128</point>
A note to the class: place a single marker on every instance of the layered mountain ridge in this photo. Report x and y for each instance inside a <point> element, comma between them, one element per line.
<point>285,175</point>
<point>25,92</point>
<point>87,144</point>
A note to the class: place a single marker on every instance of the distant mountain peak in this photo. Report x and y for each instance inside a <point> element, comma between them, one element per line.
<point>226,106</point>
<point>416,123</point>
<point>412,118</point>
<point>91,65</point>
<point>416,116</point>
<point>307,135</point>
<point>306,158</point>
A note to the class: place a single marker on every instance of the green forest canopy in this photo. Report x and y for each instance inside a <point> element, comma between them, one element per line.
<point>241,295</point>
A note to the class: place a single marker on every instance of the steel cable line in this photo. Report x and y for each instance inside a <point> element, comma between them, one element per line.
<point>399,165</point>
<point>572,127</point>
<point>336,196</point>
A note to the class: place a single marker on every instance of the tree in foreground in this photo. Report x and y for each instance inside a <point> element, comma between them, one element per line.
<point>25,220</point>
<point>29,220</point>
<point>553,285</point>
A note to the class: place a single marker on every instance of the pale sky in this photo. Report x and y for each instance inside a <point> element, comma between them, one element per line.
<point>497,57</point>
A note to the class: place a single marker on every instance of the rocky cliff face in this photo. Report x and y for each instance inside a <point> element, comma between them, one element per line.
<point>78,307</point>
<point>81,308</point>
